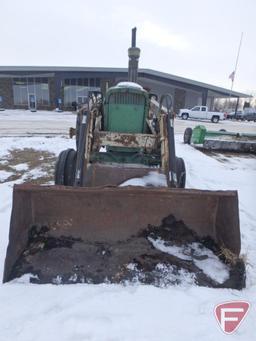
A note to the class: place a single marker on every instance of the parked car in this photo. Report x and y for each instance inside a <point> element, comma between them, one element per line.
<point>250,116</point>
<point>230,115</point>
<point>201,112</point>
<point>239,115</point>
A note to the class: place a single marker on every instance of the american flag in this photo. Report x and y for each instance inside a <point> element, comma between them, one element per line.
<point>232,76</point>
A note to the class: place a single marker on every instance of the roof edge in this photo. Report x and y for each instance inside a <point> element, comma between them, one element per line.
<point>151,72</point>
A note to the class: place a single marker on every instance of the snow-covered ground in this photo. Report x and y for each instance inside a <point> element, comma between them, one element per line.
<point>229,125</point>
<point>25,122</point>
<point>132,312</point>
<point>27,115</point>
<point>41,122</point>
<point>51,144</point>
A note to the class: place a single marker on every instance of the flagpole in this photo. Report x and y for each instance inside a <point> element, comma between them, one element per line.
<point>237,58</point>
<point>238,53</point>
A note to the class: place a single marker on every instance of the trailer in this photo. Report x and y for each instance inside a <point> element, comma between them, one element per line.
<point>220,140</point>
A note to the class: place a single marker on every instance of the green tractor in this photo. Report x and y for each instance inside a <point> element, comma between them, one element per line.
<point>126,135</point>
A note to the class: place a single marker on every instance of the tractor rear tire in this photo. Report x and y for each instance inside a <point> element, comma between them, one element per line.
<point>64,167</point>
<point>181,172</point>
<point>187,135</point>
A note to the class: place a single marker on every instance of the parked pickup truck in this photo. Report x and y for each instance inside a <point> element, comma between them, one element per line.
<point>201,112</point>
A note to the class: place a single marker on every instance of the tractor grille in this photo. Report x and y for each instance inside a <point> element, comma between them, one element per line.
<point>127,98</point>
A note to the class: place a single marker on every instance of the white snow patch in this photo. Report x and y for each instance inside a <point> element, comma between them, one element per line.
<point>24,279</point>
<point>4,175</point>
<point>57,280</point>
<point>3,162</point>
<point>20,167</point>
<point>165,275</point>
<point>131,266</point>
<point>39,115</point>
<point>168,273</point>
<point>211,266</point>
<point>129,85</point>
<point>35,173</point>
<point>154,179</point>
<point>51,144</point>
<point>173,250</point>
<point>73,278</point>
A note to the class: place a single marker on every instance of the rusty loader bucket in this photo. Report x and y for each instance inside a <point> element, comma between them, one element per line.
<point>64,234</point>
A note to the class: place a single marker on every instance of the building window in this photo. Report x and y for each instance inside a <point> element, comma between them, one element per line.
<point>97,82</point>
<point>76,90</point>
<point>42,91</point>
<point>23,87</point>
<point>20,91</point>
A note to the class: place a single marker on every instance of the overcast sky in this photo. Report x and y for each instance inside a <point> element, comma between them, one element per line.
<point>197,39</point>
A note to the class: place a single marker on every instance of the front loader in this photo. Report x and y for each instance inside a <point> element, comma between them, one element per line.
<point>91,225</point>
<point>129,136</point>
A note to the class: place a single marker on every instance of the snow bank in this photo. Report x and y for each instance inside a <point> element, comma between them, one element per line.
<point>113,312</point>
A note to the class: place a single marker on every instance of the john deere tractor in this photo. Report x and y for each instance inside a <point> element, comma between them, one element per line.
<point>126,135</point>
<point>81,228</point>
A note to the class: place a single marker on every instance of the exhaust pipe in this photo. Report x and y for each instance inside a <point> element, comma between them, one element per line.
<point>134,55</point>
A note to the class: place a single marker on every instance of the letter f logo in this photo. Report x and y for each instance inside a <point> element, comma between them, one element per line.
<point>230,315</point>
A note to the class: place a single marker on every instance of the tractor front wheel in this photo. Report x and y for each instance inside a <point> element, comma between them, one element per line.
<point>65,168</point>
<point>70,168</point>
<point>181,172</point>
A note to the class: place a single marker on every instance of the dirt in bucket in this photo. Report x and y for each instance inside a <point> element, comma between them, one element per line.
<point>162,255</point>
